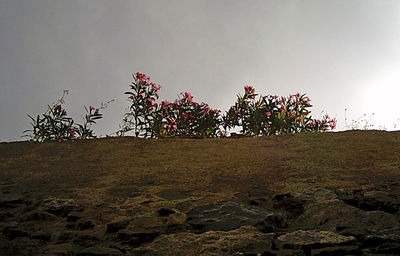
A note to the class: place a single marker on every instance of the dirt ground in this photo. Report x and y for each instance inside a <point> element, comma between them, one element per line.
<point>109,175</point>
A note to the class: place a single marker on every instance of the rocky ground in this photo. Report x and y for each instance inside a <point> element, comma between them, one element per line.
<point>297,194</point>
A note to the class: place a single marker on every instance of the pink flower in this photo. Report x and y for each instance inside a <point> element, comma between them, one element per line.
<point>64,112</point>
<point>142,77</point>
<point>155,87</point>
<point>268,114</point>
<point>96,112</point>
<point>172,121</point>
<point>92,108</point>
<point>73,134</point>
<point>57,107</point>
<point>172,127</point>
<point>152,101</point>
<point>249,89</point>
<point>188,96</point>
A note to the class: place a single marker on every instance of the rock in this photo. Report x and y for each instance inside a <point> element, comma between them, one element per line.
<point>323,210</point>
<point>65,249</point>
<point>74,216</point>
<point>337,250</point>
<point>117,225</point>
<point>172,194</point>
<point>4,215</point>
<point>44,236</point>
<point>87,239</point>
<point>99,251</point>
<point>378,200</point>
<point>11,200</point>
<point>40,216</point>
<point>231,215</point>
<point>155,224</point>
<point>330,216</point>
<point>59,207</point>
<point>293,206</point>
<point>314,239</point>
<point>243,241</point>
<point>66,236</point>
<point>136,239</point>
<point>14,232</point>
<point>165,212</point>
<point>85,224</point>
<point>372,200</point>
<point>386,241</point>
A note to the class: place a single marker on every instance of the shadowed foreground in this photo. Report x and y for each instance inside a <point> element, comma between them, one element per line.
<point>296,194</point>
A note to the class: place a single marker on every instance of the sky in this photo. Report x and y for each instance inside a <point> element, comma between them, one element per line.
<point>343,54</point>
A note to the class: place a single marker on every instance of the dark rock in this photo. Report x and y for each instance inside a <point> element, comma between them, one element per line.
<point>117,225</point>
<point>337,251</point>
<point>85,224</point>
<point>386,241</point>
<point>135,239</point>
<point>314,239</point>
<point>378,200</point>
<point>14,232</point>
<point>138,239</point>
<point>11,200</point>
<point>44,236</point>
<point>74,216</point>
<point>87,239</point>
<point>66,236</point>
<point>40,216</point>
<point>66,249</point>
<point>59,207</point>
<point>99,251</point>
<point>231,215</point>
<point>323,210</point>
<point>344,219</point>
<point>5,215</point>
<point>293,206</point>
<point>371,200</point>
<point>163,212</point>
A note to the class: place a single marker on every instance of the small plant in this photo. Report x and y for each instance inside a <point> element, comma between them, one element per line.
<point>55,124</point>
<point>360,121</point>
<point>143,98</point>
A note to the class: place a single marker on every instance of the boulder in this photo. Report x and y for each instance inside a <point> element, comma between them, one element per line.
<point>84,224</point>
<point>117,225</point>
<point>58,206</point>
<point>40,216</point>
<point>314,239</point>
<point>243,241</point>
<point>99,251</point>
<point>231,215</point>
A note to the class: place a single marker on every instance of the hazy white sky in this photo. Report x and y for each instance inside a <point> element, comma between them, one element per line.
<point>342,54</point>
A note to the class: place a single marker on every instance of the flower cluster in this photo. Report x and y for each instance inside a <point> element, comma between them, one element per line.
<point>186,117</point>
<point>54,124</point>
<point>273,115</point>
<point>265,116</point>
<point>143,97</point>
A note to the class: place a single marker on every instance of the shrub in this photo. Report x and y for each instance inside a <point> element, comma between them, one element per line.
<point>55,124</point>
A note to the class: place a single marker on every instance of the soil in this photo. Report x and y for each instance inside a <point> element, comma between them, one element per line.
<point>132,196</point>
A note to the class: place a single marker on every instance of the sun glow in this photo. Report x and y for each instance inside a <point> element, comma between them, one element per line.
<point>382,98</point>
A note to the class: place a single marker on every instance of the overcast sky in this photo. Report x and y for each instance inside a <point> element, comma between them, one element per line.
<point>342,54</point>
